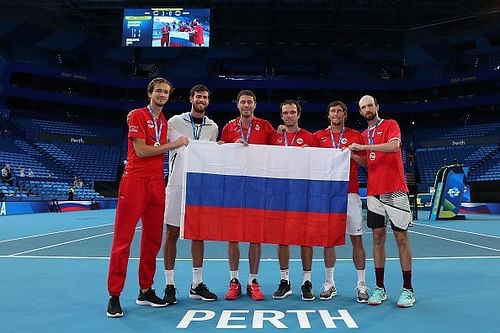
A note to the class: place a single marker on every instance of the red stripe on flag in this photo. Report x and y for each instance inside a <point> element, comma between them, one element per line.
<point>264,226</point>
<point>73,208</point>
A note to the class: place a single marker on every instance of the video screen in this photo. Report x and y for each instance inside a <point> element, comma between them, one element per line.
<point>166,27</point>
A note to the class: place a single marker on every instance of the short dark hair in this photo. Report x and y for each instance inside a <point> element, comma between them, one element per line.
<point>198,88</point>
<point>246,92</point>
<point>337,103</point>
<point>291,102</point>
<point>154,82</point>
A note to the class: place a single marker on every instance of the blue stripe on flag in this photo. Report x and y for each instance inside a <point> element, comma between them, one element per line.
<point>317,196</point>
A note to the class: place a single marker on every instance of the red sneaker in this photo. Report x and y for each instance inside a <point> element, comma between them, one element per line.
<point>253,290</point>
<point>234,290</point>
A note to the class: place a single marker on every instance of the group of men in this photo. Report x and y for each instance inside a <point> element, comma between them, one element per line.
<point>142,195</point>
<point>195,33</point>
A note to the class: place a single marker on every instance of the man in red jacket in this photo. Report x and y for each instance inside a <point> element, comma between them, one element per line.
<point>246,129</point>
<point>387,196</point>
<point>338,136</point>
<point>165,35</point>
<point>293,135</point>
<point>197,33</point>
<point>142,196</point>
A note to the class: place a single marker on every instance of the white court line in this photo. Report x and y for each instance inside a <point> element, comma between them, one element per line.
<point>65,243</point>
<point>59,244</point>
<point>458,230</point>
<point>54,233</point>
<point>456,241</point>
<point>242,259</point>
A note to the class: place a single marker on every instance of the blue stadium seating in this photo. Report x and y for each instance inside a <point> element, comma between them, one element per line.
<point>87,161</point>
<point>456,133</point>
<point>429,160</point>
<point>55,163</point>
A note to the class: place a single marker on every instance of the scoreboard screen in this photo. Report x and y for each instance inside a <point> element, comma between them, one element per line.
<point>166,27</point>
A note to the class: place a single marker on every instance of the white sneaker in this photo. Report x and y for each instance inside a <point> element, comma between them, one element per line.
<point>362,292</point>
<point>328,291</point>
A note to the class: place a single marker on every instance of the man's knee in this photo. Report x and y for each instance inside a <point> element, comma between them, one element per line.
<point>401,237</point>
<point>172,233</point>
<point>356,240</point>
<point>379,236</point>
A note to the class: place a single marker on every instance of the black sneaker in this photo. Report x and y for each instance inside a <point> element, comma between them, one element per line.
<point>149,298</point>
<point>169,295</point>
<point>284,289</point>
<point>114,307</point>
<point>202,292</point>
<point>307,292</point>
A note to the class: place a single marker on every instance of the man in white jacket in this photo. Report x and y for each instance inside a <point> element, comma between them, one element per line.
<point>196,126</point>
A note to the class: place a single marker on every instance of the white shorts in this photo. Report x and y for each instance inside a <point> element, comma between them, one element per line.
<point>354,215</point>
<point>173,200</point>
<point>396,206</point>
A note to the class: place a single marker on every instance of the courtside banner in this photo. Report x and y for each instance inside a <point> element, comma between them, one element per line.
<point>264,194</point>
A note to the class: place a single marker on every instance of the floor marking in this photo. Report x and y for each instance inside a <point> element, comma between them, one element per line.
<point>458,230</point>
<point>54,233</point>
<point>457,241</point>
<point>65,243</point>
<point>242,259</point>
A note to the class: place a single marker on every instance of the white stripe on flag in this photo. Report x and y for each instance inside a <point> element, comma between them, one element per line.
<point>268,161</point>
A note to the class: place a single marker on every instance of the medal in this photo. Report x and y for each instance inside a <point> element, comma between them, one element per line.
<point>371,139</point>
<point>157,144</point>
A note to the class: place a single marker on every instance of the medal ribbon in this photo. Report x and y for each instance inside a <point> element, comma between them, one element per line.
<point>371,139</point>
<point>371,136</point>
<point>248,133</point>
<point>293,139</point>
<point>341,136</point>
<point>155,123</point>
<point>197,128</point>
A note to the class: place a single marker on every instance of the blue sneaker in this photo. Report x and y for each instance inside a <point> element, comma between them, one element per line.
<point>378,296</point>
<point>406,299</point>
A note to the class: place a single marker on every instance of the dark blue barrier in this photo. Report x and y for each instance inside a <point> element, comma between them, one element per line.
<point>30,207</point>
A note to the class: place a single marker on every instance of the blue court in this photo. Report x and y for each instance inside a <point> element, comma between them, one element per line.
<point>54,269</point>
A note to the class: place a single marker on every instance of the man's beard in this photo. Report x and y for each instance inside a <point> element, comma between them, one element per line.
<point>199,108</point>
<point>370,116</point>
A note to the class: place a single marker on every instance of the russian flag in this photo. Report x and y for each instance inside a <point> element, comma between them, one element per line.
<point>264,194</point>
<point>179,39</point>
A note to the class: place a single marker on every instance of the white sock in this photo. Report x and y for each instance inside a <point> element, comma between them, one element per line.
<point>234,275</point>
<point>169,276</point>
<point>306,276</point>
<point>361,275</point>
<point>329,275</point>
<point>285,274</point>
<point>197,276</point>
<point>251,277</point>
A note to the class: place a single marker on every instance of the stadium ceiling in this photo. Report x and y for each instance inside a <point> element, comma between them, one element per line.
<point>268,22</point>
